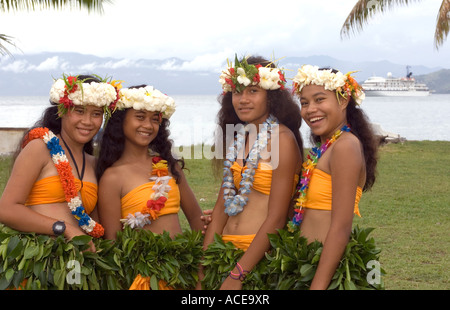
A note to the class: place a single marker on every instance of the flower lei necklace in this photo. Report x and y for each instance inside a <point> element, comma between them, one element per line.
<point>234,204</point>
<point>62,165</point>
<point>308,166</point>
<point>159,174</point>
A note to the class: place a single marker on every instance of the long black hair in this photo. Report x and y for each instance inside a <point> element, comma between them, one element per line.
<point>281,104</point>
<point>112,144</point>
<point>362,129</point>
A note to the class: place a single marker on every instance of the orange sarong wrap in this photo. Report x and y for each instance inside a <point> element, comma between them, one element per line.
<point>262,178</point>
<point>136,199</point>
<point>319,195</point>
<point>143,283</point>
<point>49,190</point>
<point>240,241</point>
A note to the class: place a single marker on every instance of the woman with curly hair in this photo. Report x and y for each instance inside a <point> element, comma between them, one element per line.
<point>260,120</point>
<point>338,169</point>
<point>141,183</point>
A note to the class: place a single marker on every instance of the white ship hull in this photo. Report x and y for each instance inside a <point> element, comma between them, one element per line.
<point>396,93</point>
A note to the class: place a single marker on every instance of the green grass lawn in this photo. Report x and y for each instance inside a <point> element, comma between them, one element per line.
<point>409,207</point>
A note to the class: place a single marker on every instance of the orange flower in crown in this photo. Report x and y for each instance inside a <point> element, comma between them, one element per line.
<point>344,84</point>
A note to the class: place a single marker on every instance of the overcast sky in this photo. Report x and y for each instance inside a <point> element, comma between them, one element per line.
<point>206,32</point>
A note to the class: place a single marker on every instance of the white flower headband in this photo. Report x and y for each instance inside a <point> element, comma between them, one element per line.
<point>146,98</point>
<point>70,91</point>
<point>241,75</point>
<point>344,84</point>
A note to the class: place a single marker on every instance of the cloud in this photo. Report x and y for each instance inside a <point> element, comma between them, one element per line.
<point>47,65</point>
<point>206,62</point>
<point>118,64</point>
<point>17,66</point>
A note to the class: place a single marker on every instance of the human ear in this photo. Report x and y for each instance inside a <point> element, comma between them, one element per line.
<point>343,101</point>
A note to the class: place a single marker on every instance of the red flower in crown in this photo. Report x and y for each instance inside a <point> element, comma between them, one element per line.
<point>66,101</point>
<point>72,82</point>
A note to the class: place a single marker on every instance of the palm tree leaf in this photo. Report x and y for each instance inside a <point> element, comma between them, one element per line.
<point>5,39</point>
<point>442,24</point>
<point>12,6</point>
<point>95,6</point>
<point>366,9</point>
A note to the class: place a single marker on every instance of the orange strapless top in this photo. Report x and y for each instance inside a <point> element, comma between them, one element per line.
<point>49,190</point>
<point>262,178</point>
<point>135,200</point>
<point>319,194</point>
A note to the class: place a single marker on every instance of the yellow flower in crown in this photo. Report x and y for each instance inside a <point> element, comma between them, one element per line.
<point>242,74</point>
<point>344,84</point>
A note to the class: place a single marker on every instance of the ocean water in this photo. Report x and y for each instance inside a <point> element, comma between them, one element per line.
<point>194,122</point>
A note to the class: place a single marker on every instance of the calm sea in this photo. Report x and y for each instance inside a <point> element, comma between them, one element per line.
<point>414,118</point>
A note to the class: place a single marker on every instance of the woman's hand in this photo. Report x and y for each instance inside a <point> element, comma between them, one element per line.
<point>206,218</point>
<point>73,231</point>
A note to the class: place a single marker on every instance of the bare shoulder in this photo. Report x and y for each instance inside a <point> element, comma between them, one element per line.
<point>288,153</point>
<point>285,135</point>
<point>37,150</point>
<point>348,146</point>
<point>111,176</point>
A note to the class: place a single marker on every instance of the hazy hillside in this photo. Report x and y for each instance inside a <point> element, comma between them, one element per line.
<point>438,81</point>
<point>30,75</point>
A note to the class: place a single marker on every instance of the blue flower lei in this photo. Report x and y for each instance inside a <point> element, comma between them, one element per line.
<point>234,204</point>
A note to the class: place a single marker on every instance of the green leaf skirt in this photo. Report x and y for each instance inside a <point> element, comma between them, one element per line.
<point>40,262</point>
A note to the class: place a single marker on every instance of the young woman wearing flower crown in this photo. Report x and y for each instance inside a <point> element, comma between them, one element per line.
<point>338,169</point>
<point>262,164</point>
<point>53,187</point>
<point>141,184</point>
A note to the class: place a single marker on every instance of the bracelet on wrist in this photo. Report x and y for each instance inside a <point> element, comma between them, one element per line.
<point>242,273</point>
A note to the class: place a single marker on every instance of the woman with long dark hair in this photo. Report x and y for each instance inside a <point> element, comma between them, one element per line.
<point>260,126</point>
<point>338,169</point>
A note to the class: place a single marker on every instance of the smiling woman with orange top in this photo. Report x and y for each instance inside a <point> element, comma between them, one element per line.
<point>338,169</point>
<point>141,183</point>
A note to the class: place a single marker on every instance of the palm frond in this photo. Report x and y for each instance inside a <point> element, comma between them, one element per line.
<point>442,25</point>
<point>95,6</point>
<point>366,9</point>
<point>8,40</point>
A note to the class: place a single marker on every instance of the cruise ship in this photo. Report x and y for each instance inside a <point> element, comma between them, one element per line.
<point>390,86</point>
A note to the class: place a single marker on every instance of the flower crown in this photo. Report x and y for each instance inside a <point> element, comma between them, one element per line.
<point>146,98</point>
<point>242,75</point>
<point>344,84</point>
<point>70,91</point>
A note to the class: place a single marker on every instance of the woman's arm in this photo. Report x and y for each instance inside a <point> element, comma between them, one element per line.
<point>346,162</point>
<point>279,201</point>
<point>218,220</point>
<point>109,204</point>
<point>24,174</point>
<point>189,203</point>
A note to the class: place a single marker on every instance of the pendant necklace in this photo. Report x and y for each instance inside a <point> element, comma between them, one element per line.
<point>80,177</point>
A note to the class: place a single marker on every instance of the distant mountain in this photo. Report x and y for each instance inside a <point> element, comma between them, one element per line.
<point>438,81</point>
<point>31,75</point>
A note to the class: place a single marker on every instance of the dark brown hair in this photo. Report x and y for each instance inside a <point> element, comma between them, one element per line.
<point>281,104</point>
